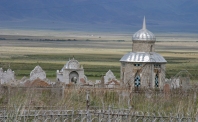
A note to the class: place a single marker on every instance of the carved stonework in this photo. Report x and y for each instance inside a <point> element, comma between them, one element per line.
<point>37,72</point>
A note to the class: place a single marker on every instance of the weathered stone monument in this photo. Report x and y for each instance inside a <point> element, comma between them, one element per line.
<point>109,76</point>
<point>6,76</point>
<point>37,72</point>
<point>108,81</point>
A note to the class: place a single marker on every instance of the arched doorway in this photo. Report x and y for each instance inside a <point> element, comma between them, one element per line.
<point>73,77</point>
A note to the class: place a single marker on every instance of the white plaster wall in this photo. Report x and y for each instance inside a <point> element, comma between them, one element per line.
<point>81,75</point>
<point>66,76</point>
<point>59,76</point>
<point>109,75</point>
<point>7,76</point>
<point>37,72</point>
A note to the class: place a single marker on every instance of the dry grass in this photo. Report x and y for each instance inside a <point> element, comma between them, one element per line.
<point>178,101</point>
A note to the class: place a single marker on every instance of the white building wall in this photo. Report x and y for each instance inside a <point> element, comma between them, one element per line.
<point>81,75</point>
<point>59,76</point>
<point>66,76</point>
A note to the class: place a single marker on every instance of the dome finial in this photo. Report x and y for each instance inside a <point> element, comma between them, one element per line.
<point>144,24</point>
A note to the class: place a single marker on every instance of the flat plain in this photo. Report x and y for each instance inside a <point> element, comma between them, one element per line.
<point>97,52</point>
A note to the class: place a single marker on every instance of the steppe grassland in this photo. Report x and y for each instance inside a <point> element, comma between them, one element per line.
<point>23,57</point>
<point>98,56</point>
<point>97,52</point>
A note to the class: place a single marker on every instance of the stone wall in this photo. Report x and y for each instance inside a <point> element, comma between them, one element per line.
<point>146,72</point>
<point>147,76</point>
<point>163,75</point>
<point>143,46</point>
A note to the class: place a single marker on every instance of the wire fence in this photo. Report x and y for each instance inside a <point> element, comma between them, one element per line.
<point>99,115</point>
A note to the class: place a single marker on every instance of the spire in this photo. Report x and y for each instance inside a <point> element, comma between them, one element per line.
<point>144,24</point>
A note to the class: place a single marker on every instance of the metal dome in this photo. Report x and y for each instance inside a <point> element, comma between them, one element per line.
<point>144,34</point>
<point>149,57</point>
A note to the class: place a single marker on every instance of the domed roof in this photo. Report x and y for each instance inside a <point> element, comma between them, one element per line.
<point>143,34</point>
<point>143,57</point>
<point>72,64</point>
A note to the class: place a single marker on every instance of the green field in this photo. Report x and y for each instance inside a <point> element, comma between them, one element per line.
<point>97,55</point>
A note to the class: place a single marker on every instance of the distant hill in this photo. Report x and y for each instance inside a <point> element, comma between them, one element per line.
<point>100,15</point>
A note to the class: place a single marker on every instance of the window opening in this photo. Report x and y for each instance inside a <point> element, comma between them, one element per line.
<point>137,81</point>
<point>157,65</point>
<point>137,65</point>
<point>157,80</point>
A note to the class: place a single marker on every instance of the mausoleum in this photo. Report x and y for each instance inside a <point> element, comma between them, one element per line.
<point>143,67</point>
<point>72,72</point>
